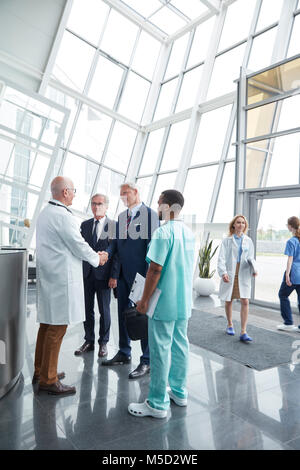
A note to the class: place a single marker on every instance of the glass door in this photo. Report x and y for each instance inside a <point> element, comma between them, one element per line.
<point>269,212</point>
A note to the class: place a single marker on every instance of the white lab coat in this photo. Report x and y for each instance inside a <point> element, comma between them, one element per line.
<point>60,249</point>
<point>227,264</point>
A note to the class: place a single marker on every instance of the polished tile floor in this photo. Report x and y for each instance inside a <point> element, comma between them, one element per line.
<point>230,406</point>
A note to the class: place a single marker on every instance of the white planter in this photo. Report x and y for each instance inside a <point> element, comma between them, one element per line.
<point>204,286</point>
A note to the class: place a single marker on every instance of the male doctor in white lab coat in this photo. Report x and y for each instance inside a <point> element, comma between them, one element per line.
<point>60,250</point>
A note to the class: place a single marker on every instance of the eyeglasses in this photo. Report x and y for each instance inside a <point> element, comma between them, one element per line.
<point>97,204</point>
<point>72,189</point>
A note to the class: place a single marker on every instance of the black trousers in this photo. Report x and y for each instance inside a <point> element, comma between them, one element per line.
<point>93,286</point>
<point>124,340</point>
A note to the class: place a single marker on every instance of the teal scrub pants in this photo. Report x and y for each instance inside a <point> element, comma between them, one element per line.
<point>169,354</point>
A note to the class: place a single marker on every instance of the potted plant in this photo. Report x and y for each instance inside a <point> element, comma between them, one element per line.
<point>204,284</point>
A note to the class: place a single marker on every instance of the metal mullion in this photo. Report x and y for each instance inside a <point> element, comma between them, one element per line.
<point>93,104</point>
<point>211,5</point>
<point>222,162</point>
<point>12,216</point>
<point>257,149</point>
<point>150,107</point>
<point>181,73</point>
<point>46,181</point>
<point>177,12</point>
<point>12,141</point>
<point>21,205</point>
<point>55,47</point>
<point>16,141</point>
<point>137,19</point>
<point>102,161</point>
<point>166,172</point>
<point>200,98</point>
<point>113,170</point>
<point>158,163</point>
<point>272,135</point>
<point>240,169</point>
<point>193,24</point>
<point>85,93</point>
<point>15,183</point>
<point>269,67</point>
<point>251,36</point>
<point>67,146</point>
<point>15,228</point>
<point>80,155</point>
<point>284,31</point>
<point>116,106</point>
<point>270,147</point>
<point>126,73</point>
<point>273,99</point>
<point>241,147</point>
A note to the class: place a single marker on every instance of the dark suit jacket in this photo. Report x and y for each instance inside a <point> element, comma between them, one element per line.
<point>132,249</point>
<point>112,267</point>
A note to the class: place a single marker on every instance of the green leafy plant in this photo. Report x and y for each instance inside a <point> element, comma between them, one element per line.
<point>205,257</point>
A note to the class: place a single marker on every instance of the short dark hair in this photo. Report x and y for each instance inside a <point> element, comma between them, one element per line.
<point>171,197</point>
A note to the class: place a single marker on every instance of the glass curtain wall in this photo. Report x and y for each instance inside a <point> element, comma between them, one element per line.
<point>158,95</point>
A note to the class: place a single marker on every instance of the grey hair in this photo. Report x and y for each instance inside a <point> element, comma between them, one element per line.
<point>130,184</point>
<point>106,198</point>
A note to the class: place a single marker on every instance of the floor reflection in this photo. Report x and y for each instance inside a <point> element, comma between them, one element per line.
<point>230,406</point>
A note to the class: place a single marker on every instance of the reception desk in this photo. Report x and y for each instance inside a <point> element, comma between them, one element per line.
<point>13,304</point>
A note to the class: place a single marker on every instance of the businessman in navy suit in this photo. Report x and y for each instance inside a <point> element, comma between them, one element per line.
<point>98,232</point>
<point>133,234</point>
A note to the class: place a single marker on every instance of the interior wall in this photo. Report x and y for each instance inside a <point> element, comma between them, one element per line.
<point>27,32</point>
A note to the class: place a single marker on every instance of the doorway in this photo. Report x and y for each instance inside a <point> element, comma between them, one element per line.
<point>269,211</point>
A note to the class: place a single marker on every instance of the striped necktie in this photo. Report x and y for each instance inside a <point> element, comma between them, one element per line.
<point>129,217</point>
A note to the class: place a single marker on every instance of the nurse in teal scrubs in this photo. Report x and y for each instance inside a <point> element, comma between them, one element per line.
<point>171,259</point>
<point>291,277</point>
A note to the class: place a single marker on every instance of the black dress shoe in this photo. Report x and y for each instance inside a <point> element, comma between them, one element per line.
<point>142,369</point>
<point>118,359</point>
<point>86,347</point>
<point>102,350</point>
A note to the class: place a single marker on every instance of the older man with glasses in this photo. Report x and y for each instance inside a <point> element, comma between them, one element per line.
<point>97,232</point>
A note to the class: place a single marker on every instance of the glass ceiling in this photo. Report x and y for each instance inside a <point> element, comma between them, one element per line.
<point>167,15</point>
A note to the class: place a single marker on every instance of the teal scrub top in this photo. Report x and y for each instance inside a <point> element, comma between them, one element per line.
<point>172,247</point>
<point>292,248</point>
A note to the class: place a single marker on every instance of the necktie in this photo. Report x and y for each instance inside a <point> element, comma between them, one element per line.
<point>128,221</point>
<point>95,237</point>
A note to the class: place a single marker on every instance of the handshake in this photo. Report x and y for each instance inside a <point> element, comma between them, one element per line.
<point>103,257</point>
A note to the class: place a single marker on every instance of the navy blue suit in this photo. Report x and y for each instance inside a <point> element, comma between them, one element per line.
<point>131,247</point>
<point>96,282</point>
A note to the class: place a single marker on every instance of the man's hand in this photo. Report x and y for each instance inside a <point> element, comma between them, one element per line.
<point>225,277</point>
<point>288,281</point>
<point>112,283</point>
<point>103,257</point>
<point>142,307</point>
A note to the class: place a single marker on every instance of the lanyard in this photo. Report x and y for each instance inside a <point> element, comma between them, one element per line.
<point>59,205</point>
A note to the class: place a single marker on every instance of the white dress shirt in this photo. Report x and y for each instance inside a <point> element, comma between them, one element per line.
<point>100,226</point>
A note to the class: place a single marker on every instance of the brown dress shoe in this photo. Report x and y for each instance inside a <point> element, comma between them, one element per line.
<point>102,350</point>
<point>36,378</point>
<point>86,347</point>
<point>57,389</point>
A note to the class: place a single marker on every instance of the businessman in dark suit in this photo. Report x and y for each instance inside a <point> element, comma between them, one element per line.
<point>133,234</point>
<point>97,232</point>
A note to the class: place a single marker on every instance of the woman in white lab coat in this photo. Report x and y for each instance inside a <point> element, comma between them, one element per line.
<point>235,265</point>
